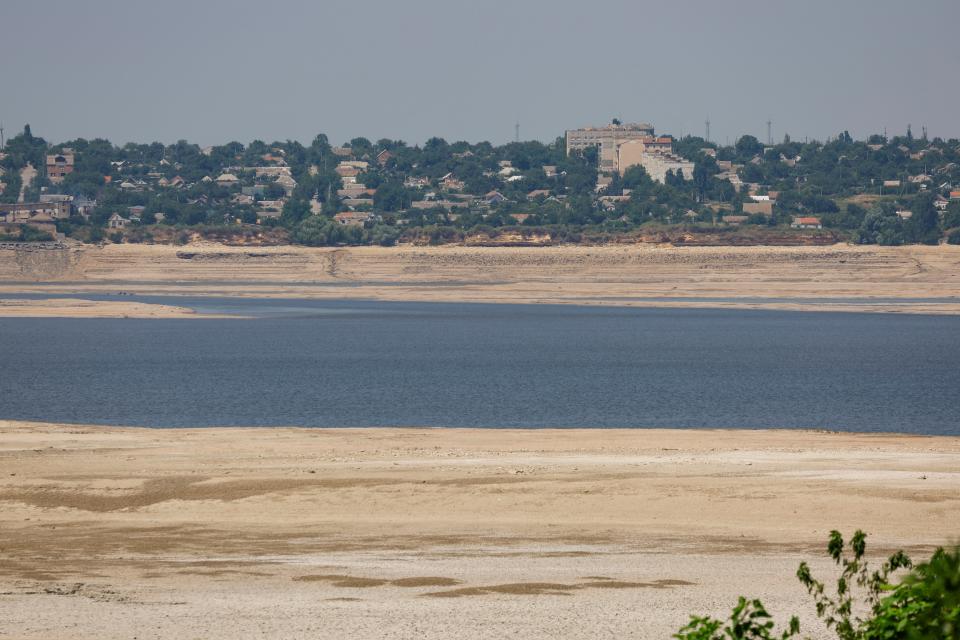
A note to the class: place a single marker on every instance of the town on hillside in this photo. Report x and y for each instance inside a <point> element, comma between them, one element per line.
<point>615,182</point>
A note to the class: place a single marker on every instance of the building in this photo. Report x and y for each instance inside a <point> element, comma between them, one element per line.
<point>451,183</point>
<point>353,218</point>
<point>655,155</point>
<point>384,157</point>
<point>23,211</point>
<point>607,140</point>
<point>59,165</point>
<point>117,221</point>
<point>806,223</point>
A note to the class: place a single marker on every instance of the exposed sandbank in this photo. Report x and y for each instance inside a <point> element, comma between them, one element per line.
<point>887,279</point>
<point>434,533</point>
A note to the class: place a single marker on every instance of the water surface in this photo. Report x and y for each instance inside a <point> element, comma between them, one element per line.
<point>356,363</point>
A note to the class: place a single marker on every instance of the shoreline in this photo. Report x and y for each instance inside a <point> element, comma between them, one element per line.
<point>619,276</point>
<point>375,532</point>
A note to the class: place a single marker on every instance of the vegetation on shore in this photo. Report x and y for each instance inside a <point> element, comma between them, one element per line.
<point>925,605</point>
<point>529,192</point>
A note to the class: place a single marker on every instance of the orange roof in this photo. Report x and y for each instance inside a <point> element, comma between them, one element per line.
<point>955,194</point>
<point>808,220</point>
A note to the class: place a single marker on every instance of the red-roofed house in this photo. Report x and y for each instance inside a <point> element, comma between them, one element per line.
<point>806,223</point>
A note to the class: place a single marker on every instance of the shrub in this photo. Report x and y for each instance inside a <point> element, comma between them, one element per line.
<point>925,605</point>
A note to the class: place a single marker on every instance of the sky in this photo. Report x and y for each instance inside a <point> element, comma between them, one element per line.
<point>212,71</point>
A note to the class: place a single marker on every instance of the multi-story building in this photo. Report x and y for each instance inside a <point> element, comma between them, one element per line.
<point>607,140</point>
<point>655,155</point>
<point>59,165</point>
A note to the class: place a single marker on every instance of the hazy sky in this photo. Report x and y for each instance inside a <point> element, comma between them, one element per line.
<point>212,71</point>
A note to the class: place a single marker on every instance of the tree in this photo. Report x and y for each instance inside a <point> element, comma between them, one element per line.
<point>881,226</point>
<point>748,146</point>
<point>925,221</point>
<point>391,196</point>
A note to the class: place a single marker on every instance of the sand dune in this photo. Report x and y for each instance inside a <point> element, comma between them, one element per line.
<point>437,533</point>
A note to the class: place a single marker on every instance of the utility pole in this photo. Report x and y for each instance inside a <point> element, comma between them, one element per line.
<point>769,134</point>
<point>516,132</point>
<point>2,143</point>
<point>708,128</point>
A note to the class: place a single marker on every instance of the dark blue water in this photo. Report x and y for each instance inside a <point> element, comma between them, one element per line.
<point>342,363</point>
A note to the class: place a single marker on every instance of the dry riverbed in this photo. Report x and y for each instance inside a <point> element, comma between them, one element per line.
<point>439,533</point>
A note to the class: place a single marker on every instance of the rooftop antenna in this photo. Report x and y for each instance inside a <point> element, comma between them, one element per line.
<point>708,128</point>
<point>516,132</point>
<point>2,143</point>
<point>769,133</point>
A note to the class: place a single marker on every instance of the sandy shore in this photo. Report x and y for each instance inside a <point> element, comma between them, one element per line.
<point>887,279</point>
<point>436,533</point>
<point>78,308</point>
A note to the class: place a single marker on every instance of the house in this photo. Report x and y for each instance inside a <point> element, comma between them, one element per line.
<point>941,203</point>
<point>550,170</point>
<point>735,220</point>
<point>520,217</point>
<point>270,172</point>
<point>538,193</point>
<point>136,212</point>
<point>353,218</point>
<point>242,199</point>
<point>288,184</point>
<point>116,221</point>
<point>609,203</point>
<point>451,183</point>
<point>955,195</point>
<point>347,171</point>
<point>413,182</point>
<point>227,180</point>
<point>494,197</point>
<point>384,157</point>
<point>904,214</point>
<point>343,152</point>
<point>809,222</point>
<point>59,165</point>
